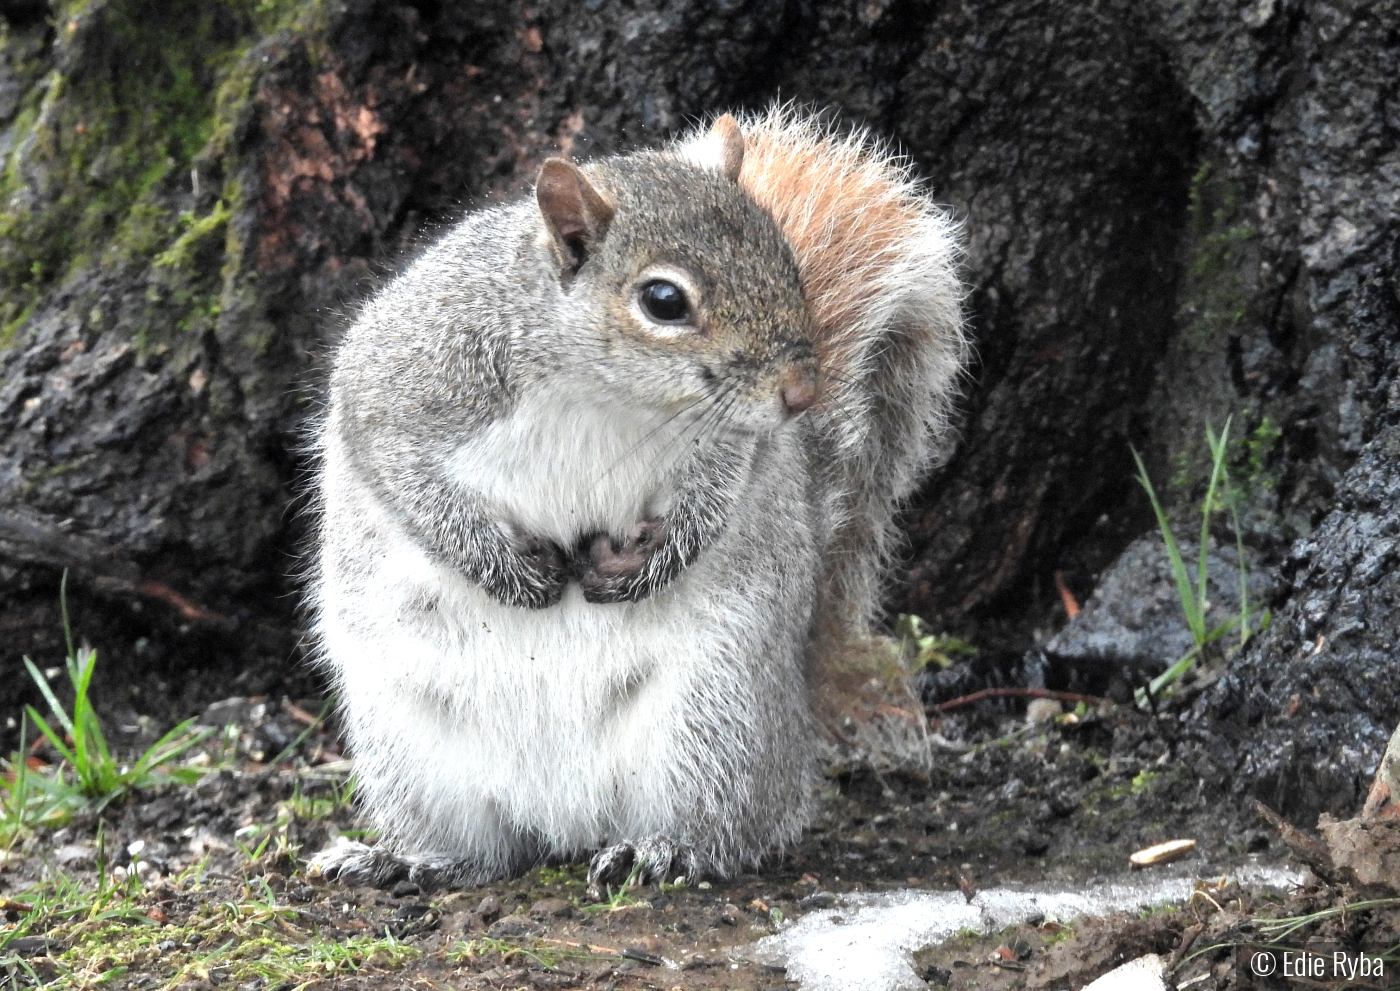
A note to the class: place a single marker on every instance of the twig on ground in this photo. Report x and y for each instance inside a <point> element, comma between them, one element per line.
<point>1030,693</point>
<point>198,614</point>
<point>1303,846</point>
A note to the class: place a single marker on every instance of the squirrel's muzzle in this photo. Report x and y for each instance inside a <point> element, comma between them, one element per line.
<point>798,390</point>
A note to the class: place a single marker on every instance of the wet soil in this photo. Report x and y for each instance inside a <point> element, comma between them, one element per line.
<point>216,873</point>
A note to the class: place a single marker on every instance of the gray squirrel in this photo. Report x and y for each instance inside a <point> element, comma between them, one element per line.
<point>605,475</point>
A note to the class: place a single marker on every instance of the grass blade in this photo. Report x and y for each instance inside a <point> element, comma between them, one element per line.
<point>63,608</point>
<point>1232,502</point>
<point>167,748</point>
<point>1217,467</point>
<point>58,711</point>
<point>85,733</point>
<point>1190,602</point>
<point>48,731</point>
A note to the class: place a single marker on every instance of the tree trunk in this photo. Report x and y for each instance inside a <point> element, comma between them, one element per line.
<point>1175,212</point>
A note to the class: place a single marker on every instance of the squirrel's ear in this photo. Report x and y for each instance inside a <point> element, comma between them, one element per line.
<point>575,213</point>
<point>726,133</point>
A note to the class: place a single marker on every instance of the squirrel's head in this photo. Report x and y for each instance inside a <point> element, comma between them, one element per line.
<point>686,290</point>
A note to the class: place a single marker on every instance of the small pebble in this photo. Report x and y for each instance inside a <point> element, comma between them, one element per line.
<point>1042,711</point>
<point>642,956</point>
<point>936,975</point>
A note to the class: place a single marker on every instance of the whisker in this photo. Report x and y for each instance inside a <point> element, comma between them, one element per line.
<point>622,458</point>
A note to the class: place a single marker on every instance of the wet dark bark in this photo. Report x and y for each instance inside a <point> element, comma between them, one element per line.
<point>1176,212</point>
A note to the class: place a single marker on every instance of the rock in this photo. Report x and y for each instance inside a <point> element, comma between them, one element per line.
<point>816,900</point>
<point>551,908</point>
<point>1312,703</point>
<point>75,855</point>
<point>512,926</point>
<point>489,909</point>
<point>1034,844</point>
<point>933,974</point>
<point>1134,623</point>
<point>236,711</point>
<point>34,946</point>
<point>406,889</point>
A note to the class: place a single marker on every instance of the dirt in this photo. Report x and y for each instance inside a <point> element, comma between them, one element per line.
<point>215,890</point>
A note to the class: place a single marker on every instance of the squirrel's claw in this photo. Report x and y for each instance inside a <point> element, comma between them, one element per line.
<point>351,862</point>
<point>646,861</point>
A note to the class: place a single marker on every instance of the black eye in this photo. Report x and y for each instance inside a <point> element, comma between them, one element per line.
<point>664,302</point>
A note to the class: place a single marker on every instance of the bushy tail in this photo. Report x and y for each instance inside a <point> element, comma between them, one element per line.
<point>878,262</point>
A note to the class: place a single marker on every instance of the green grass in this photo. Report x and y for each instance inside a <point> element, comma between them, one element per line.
<point>88,775</point>
<point>1274,931</point>
<point>303,806</point>
<point>568,875</point>
<point>1281,929</point>
<point>920,646</point>
<point>1192,592</point>
<point>617,898</point>
<point>106,932</point>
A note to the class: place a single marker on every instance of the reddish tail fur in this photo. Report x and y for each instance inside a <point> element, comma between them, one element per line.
<point>878,263</point>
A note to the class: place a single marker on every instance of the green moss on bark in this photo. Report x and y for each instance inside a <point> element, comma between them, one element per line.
<point>1218,301</point>
<point>108,148</point>
<point>1217,290</point>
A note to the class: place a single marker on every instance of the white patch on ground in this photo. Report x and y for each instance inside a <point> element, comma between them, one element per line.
<point>866,943</point>
<point>1142,974</point>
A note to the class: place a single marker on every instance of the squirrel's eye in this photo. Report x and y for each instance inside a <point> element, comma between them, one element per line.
<point>664,302</point>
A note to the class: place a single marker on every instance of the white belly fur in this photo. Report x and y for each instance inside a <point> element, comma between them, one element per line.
<point>486,731</point>
<point>562,465</point>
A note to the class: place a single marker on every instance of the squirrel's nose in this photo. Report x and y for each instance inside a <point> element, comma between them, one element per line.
<point>798,391</point>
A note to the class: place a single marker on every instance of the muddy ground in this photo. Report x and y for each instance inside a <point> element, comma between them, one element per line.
<point>205,885</point>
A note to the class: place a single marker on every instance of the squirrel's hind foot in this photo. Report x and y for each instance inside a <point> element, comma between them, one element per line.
<point>355,863</point>
<point>351,862</point>
<point>645,861</point>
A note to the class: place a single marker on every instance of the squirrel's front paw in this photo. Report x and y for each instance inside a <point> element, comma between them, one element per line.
<point>616,571</point>
<point>535,576</point>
